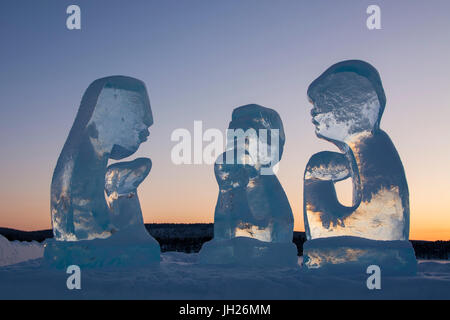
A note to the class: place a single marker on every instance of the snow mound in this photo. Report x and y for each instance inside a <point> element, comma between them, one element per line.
<point>17,251</point>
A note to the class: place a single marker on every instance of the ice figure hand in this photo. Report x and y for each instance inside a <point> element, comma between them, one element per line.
<point>327,165</point>
<point>121,182</point>
<point>322,171</point>
<point>124,177</point>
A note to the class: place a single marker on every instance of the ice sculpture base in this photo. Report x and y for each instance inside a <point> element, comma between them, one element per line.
<point>244,251</point>
<point>352,255</point>
<point>102,253</point>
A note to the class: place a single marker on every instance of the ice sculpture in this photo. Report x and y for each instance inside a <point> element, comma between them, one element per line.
<point>111,123</point>
<point>253,221</point>
<point>348,102</point>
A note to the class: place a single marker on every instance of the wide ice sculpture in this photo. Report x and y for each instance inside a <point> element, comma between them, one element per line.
<point>348,102</point>
<point>111,123</point>
<point>253,221</point>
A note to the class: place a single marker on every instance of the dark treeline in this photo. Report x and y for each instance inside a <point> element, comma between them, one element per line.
<point>189,238</point>
<point>432,249</point>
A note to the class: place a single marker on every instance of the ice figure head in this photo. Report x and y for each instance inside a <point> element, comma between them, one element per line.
<point>121,117</point>
<point>348,99</point>
<point>111,123</point>
<point>258,132</point>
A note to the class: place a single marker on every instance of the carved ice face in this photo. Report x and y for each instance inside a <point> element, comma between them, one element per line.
<point>259,131</point>
<point>345,104</point>
<point>121,120</point>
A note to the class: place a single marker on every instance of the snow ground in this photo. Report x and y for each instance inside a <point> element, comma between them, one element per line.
<point>12,252</point>
<point>180,277</point>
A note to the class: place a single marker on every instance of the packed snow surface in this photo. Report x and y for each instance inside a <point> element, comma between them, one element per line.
<point>180,276</point>
<point>17,251</point>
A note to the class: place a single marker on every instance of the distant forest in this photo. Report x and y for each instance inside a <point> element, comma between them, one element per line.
<point>189,238</point>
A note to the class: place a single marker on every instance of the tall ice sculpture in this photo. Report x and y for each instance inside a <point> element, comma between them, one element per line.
<point>348,102</point>
<point>253,221</point>
<point>96,215</point>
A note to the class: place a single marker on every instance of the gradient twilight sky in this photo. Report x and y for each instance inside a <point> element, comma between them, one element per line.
<point>199,60</point>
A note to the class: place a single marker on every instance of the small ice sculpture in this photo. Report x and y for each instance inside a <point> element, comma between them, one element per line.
<point>112,122</point>
<point>348,102</point>
<point>253,222</point>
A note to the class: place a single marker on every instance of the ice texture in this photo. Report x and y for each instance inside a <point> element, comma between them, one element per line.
<point>348,102</point>
<point>251,204</point>
<point>111,123</point>
<point>249,252</point>
<point>116,251</point>
<point>96,214</point>
<point>352,255</point>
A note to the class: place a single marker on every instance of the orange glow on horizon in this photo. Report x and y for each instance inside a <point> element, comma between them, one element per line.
<point>432,232</point>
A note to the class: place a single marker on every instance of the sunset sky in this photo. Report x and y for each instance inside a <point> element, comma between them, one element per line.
<point>200,59</point>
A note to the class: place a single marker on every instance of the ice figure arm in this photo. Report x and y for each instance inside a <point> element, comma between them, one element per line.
<point>121,182</point>
<point>328,166</point>
<point>320,198</point>
<point>125,177</point>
